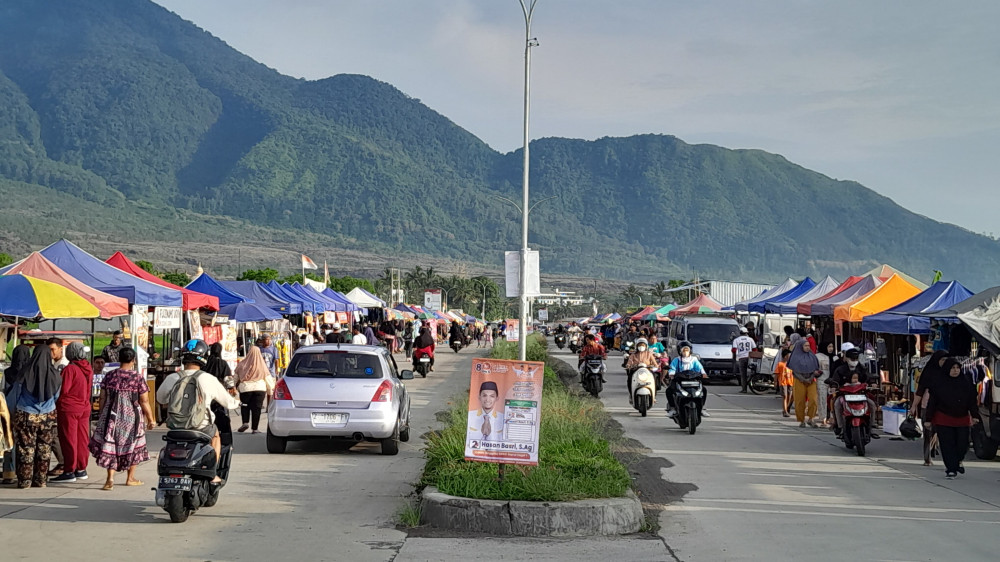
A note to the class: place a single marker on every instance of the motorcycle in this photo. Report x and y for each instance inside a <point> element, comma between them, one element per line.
<point>688,395</point>
<point>456,345</point>
<point>421,363</point>
<point>643,389</point>
<point>857,417</point>
<point>560,340</point>
<point>759,383</point>
<point>574,343</point>
<point>186,468</point>
<point>592,372</point>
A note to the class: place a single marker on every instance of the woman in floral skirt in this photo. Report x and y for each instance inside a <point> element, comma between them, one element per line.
<point>119,440</point>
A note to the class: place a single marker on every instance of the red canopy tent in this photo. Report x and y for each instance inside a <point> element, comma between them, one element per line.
<point>696,306</point>
<point>38,266</point>
<point>192,299</point>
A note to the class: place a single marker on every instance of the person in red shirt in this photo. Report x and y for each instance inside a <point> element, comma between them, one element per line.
<point>73,414</point>
<point>591,347</point>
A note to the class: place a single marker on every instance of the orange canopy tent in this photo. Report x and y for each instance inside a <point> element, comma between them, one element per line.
<point>699,305</point>
<point>889,294</point>
<point>192,299</point>
<point>38,266</point>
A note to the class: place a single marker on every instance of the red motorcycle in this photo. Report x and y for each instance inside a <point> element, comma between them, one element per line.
<point>857,416</point>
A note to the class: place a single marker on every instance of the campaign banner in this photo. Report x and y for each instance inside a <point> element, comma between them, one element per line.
<point>505,406</point>
<point>511,332</point>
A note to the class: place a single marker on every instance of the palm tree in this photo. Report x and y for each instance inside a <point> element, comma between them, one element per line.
<point>632,292</point>
<point>659,291</point>
<point>419,279</point>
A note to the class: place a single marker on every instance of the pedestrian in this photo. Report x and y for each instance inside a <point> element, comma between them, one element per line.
<point>488,336</point>
<point>19,358</point>
<point>119,439</point>
<point>370,336</point>
<point>953,408</point>
<point>826,357</point>
<point>784,379</point>
<point>73,409</point>
<point>34,394</point>
<point>219,368</point>
<point>357,338</point>
<point>60,361</point>
<point>408,336</point>
<point>933,372</point>
<point>110,351</point>
<point>270,354</point>
<point>255,384</point>
<point>805,369</point>
<point>742,346</point>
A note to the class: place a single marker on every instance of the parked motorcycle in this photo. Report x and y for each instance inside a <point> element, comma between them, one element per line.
<point>857,417</point>
<point>688,395</point>
<point>186,468</point>
<point>643,389</point>
<point>592,372</point>
<point>560,340</point>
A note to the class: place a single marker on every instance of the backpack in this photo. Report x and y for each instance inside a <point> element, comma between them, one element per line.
<point>186,407</point>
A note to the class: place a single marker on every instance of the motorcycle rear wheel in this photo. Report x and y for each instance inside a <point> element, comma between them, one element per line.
<point>859,440</point>
<point>595,387</point>
<point>174,506</point>
<point>761,383</point>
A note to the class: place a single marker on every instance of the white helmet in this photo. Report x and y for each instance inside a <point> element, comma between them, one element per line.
<point>642,341</point>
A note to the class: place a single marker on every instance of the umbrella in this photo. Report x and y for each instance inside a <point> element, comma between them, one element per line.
<point>249,312</point>
<point>30,297</point>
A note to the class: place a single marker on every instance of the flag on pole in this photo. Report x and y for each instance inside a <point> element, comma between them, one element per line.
<point>308,263</point>
<point>326,274</point>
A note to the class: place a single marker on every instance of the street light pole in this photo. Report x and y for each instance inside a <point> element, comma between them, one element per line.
<point>527,8</point>
<point>483,317</point>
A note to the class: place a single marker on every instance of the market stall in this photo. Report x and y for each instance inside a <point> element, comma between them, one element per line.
<point>37,266</point>
<point>759,306</point>
<point>787,304</point>
<point>788,285</point>
<point>702,304</point>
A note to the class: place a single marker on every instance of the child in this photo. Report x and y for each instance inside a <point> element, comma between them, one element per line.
<point>783,375</point>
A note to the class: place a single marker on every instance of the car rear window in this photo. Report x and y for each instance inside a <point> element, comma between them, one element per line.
<point>335,364</point>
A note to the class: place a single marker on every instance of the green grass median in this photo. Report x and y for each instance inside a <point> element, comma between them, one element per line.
<point>574,458</point>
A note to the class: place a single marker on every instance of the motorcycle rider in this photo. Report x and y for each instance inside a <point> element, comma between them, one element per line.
<point>684,362</point>
<point>591,347</point>
<point>455,333</point>
<point>193,361</point>
<point>851,371</point>
<point>641,356</point>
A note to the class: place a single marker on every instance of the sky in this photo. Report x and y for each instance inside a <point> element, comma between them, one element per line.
<point>899,95</point>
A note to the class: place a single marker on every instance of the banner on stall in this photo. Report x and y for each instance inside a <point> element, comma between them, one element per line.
<point>329,317</point>
<point>194,323</point>
<point>505,407</point>
<point>511,332</point>
<point>166,318</point>
<point>343,318</point>
<point>140,326</point>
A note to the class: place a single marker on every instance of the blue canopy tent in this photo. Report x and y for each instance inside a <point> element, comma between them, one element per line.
<point>329,303</point>
<point>908,316</point>
<point>403,308</point>
<point>249,312</point>
<point>760,306</point>
<point>257,293</point>
<point>788,285</point>
<point>308,305</point>
<point>204,283</point>
<point>98,275</point>
<point>340,297</point>
<point>789,302</point>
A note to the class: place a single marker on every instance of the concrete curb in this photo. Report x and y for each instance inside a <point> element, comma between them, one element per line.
<point>607,516</point>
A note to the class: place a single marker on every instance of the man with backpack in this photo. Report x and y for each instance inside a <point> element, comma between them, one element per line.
<point>189,394</point>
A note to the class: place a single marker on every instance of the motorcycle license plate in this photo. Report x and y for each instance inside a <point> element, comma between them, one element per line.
<point>181,483</point>
<point>425,359</point>
<point>855,398</point>
<point>324,418</point>
<point>690,384</point>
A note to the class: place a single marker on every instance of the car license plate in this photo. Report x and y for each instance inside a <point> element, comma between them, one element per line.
<point>323,418</point>
<point>181,483</point>
<point>856,398</point>
<point>690,384</point>
<point>425,359</point>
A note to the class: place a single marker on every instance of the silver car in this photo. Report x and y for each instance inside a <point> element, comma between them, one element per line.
<point>340,391</point>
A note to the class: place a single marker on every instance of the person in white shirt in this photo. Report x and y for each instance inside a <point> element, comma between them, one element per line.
<point>742,346</point>
<point>358,338</point>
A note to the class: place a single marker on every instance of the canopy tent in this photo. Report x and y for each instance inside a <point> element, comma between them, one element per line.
<point>908,317</point>
<point>257,293</point>
<point>29,297</point>
<point>826,306</point>
<point>306,304</point>
<point>193,300</point>
<point>249,312</point>
<point>701,305</point>
<point>884,272</point>
<point>204,283</point>
<point>98,275</point>
<point>340,297</point>
<point>665,310</point>
<point>789,303</point>
<point>643,312</point>
<point>364,299</point>
<point>744,306</point>
<point>655,317</point>
<point>980,313</point>
<point>760,306</point>
<point>333,304</point>
<point>317,286</point>
<point>804,307</point>
<point>316,303</point>
<point>888,295</point>
<point>402,307</point>
<point>35,265</point>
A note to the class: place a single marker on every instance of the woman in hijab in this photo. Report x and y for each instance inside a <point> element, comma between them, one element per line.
<point>952,408</point>
<point>254,383</point>
<point>933,373</point>
<point>219,368</point>
<point>19,358</point>
<point>370,336</point>
<point>424,345</point>
<point>35,390</point>
<point>73,409</point>
<point>805,370</point>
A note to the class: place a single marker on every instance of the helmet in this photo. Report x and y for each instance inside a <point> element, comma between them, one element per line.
<point>681,346</point>
<point>642,341</point>
<point>195,352</point>
<point>852,353</point>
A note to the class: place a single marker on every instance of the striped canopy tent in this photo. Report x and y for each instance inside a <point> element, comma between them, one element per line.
<point>38,267</point>
<point>29,297</point>
<point>888,295</point>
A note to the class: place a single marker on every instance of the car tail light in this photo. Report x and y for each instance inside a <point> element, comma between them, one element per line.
<point>384,392</point>
<point>281,391</point>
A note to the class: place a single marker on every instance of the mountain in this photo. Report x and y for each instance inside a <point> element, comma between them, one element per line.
<point>123,104</point>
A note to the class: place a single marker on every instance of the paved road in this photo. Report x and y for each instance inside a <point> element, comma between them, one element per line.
<point>315,502</point>
<point>766,489</point>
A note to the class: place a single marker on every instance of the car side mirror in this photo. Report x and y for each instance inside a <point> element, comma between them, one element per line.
<point>406,375</point>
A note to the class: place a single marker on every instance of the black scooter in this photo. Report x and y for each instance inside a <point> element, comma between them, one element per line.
<point>187,466</point>
<point>689,393</point>
<point>560,340</point>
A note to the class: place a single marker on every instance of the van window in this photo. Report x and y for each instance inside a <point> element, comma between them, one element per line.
<point>711,334</point>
